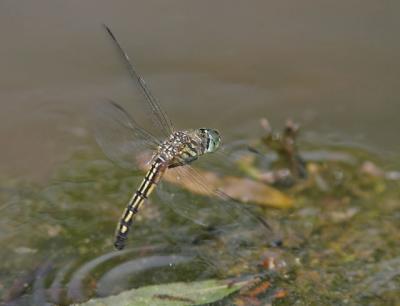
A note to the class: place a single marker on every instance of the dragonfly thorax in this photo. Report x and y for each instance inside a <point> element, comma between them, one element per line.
<point>183,147</point>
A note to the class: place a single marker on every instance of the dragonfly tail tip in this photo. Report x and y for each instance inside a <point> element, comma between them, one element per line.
<point>119,243</point>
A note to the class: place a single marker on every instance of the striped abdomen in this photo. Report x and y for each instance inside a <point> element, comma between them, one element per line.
<point>148,184</point>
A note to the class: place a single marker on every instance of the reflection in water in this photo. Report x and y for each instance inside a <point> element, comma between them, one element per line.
<point>35,279</point>
<point>39,296</point>
<point>56,287</point>
<point>109,273</point>
<point>75,287</point>
<point>121,273</point>
<point>106,274</point>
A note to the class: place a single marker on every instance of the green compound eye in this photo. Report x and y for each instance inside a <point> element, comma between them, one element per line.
<point>213,140</point>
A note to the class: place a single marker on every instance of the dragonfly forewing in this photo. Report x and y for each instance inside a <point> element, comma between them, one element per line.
<point>158,115</point>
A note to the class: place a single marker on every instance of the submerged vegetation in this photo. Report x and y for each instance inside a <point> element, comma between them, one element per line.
<point>333,230</point>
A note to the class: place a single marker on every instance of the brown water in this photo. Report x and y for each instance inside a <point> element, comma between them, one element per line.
<point>332,66</point>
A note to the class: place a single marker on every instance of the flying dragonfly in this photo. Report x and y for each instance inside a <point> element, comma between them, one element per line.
<point>121,137</point>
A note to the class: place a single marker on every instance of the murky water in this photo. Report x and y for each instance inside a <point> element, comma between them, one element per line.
<point>332,66</point>
<point>329,66</point>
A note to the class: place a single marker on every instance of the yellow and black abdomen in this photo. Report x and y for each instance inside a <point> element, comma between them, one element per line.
<point>148,184</point>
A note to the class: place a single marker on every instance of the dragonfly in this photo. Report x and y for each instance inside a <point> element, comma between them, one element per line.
<point>121,137</point>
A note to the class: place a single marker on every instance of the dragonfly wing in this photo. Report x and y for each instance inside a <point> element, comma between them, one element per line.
<point>227,224</point>
<point>119,136</point>
<point>211,206</point>
<point>180,200</point>
<point>158,115</point>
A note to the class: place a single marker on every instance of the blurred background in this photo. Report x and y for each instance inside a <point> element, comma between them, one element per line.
<point>332,66</point>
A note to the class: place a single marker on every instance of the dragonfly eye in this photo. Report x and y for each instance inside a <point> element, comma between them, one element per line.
<point>212,140</point>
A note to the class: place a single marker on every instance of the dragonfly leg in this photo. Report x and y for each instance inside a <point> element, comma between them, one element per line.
<point>182,162</point>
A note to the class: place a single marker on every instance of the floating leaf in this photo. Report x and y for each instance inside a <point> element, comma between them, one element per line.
<point>173,294</point>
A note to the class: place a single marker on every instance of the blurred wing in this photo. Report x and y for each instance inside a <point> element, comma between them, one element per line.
<point>227,224</point>
<point>159,116</point>
<point>119,136</point>
<point>175,190</point>
<point>211,206</point>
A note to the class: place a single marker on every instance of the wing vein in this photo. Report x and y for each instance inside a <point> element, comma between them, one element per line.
<point>162,119</point>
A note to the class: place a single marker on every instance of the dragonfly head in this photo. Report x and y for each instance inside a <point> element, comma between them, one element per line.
<point>211,139</point>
